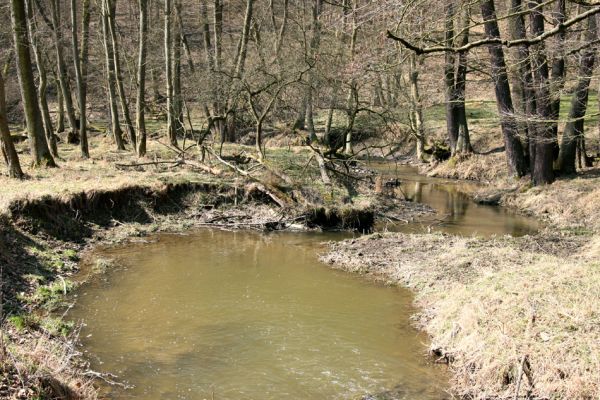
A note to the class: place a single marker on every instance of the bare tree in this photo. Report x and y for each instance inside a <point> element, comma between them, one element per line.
<point>8,148</point>
<point>140,123</point>
<point>35,128</point>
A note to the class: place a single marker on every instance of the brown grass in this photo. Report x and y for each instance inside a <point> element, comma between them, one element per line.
<point>38,366</point>
<point>490,303</point>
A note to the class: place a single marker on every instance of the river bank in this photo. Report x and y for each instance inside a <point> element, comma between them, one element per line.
<point>513,317</point>
<point>47,227</point>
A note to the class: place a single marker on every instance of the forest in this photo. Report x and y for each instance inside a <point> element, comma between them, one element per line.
<point>458,140</point>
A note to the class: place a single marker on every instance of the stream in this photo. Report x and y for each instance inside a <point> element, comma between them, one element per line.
<point>242,315</point>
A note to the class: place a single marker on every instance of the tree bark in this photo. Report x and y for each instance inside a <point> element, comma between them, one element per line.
<point>63,77</point>
<point>514,150</point>
<point>43,81</point>
<point>543,172</point>
<point>455,72</point>
<point>177,95</point>
<point>574,129</point>
<point>110,75</point>
<point>558,71</point>
<point>80,61</point>
<point>168,42</point>
<point>40,153</point>
<point>416,108</point>
<point>8,148</point>
<point>140,123</point>
<point>524,80</point>
<point>112,27</point>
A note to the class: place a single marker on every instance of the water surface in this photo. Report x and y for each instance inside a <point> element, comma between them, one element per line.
<point>242,315</point>
<point>455,213</point>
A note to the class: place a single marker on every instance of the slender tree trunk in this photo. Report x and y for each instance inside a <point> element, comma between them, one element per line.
<point>543,172</point>
<point>514,149</point>
<point>243,47</point>
<point>8,148</point>
<point>140,123</point>
<point>110,75</point>
<point>60,118</point>
<point>118,74</point>
<point>43,82</point>
<point>574,131</point>
<point>352,100</point>
<point>80,62</point>
<point>463,143</point>
<point>524,80</point>
<point>416,108</point>
<point>35,128</point>
<point>171,119</point>
<point>313,50</point>
<point>450,78</point>
<point>177,95</point>
<point>63,76</point>
<point>559,71</point>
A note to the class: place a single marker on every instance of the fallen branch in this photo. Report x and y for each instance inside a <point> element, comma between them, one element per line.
<point>175,162</point>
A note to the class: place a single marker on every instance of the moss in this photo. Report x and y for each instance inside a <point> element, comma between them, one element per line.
<point>57,326</point>
<point>71,254</point>
<point>18,321</point>
<point>49,296</point>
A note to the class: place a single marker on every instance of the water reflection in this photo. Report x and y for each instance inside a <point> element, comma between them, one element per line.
<point>456,213</point>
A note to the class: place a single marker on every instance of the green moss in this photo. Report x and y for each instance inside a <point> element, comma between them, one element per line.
<point>49,296</point>
<point>57,326</point>
<point>71,254</point>
<point>18,321</point>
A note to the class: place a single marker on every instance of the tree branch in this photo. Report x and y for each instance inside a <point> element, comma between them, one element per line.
<point>508,43</point>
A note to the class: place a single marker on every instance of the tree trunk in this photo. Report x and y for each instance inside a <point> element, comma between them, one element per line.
<point>514,149</point>
<point>110,75</point>
<point>177,96</point>
<point>463,143</point>
<point>112,27</point>
<point>313,49</point>
<point>43,82</point>
<point>523,81</point>
<point>171,132</point>
<point>80,61</point>
<point>40,153</point>
<point>63,76</point>
<point>559,71</point>
<point>416,108</point>
<point>60,118</point>
<point>352,100</point>
<point>8,148</point>
<point>243,46</point>
<point>543,172</point>
<point>574,131</point>
<point>140,123</point>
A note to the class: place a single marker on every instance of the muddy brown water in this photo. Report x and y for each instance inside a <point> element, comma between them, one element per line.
<point>243,315</point>
<point>455,213</point>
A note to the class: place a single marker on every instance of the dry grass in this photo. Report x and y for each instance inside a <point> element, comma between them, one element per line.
<point>570,203</point>
<point>99,173</point>
<point>488,303</point>
<point>38,366</point>
<point>476,167</point>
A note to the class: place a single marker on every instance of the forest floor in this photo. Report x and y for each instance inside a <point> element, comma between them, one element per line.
<point>50,221</point>
<point>512,317</point>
